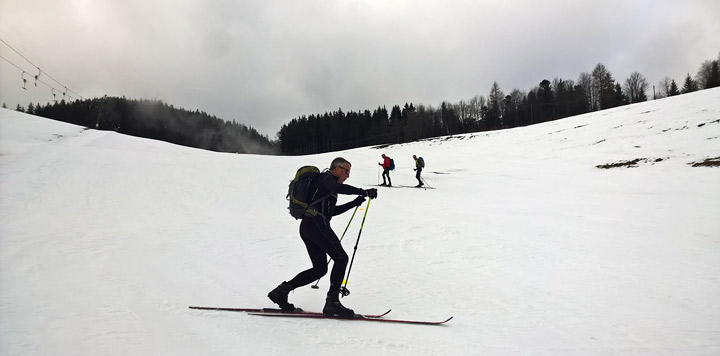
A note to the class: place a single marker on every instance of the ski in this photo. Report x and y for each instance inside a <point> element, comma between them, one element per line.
<point>276,311</point>
<point>357,317</point>
<point>415,186</point>
<point>402,186</point>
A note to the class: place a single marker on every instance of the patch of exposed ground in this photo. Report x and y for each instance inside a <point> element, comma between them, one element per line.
<point>630,164</point>
<point>708,162</point>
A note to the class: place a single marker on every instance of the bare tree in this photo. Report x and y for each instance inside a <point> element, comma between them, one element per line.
<point>664,87</point>
<point>475,107</point>
<point>636,87</point>
<point>463,110</point>
<point>585,84</point>
<point>713,79</point>
<point>703,74</point>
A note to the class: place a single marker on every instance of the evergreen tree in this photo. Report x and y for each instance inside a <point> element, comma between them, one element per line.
<point>494,114</point>
<point>620,97</point>
<point>513,108</point>
<point>564,97</point>
<point>379,127</point>
<point>546,101</point>
<point>604,94</point>
<point>690,85</point>
<point>673,89</point>
<point>396,125</point>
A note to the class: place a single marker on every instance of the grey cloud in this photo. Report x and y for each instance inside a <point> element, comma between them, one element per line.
<point>266,62</point>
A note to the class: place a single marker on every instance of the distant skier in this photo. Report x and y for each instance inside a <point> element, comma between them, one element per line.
<point>419,165</point>
<point>386,165</point>
<point>320,240</point>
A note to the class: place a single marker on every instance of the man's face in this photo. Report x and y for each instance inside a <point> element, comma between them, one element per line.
<point>342,172</point>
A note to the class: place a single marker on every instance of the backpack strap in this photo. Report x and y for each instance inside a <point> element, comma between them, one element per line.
<point>322,198</point>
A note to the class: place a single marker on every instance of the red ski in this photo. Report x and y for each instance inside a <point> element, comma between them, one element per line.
<point>357,317</point>
<point>276,311</point>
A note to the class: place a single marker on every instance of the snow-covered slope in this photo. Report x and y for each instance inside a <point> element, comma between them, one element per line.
<point>106,239</point>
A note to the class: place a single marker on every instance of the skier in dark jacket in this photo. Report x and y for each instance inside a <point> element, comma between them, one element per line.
<point>419,165</point>
<point>320,240</point>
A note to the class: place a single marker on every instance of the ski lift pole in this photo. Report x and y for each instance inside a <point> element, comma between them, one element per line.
<point>356,246</point>
<point>315,286</point>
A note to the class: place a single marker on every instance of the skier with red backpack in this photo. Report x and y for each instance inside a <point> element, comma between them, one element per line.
<point>387,166</point>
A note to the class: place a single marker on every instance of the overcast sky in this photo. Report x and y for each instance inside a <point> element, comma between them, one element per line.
<point>265,62</point>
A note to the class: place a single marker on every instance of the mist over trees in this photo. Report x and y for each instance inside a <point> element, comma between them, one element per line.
<point>549,100</point>
<point>156,120</point>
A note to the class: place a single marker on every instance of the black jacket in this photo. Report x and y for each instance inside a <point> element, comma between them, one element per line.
<point>327,184</point>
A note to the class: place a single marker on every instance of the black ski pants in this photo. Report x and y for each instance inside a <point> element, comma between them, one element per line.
<point>320,241</point>
<point>386,173</point>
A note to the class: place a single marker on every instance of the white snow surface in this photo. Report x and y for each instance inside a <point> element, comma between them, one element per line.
<point>106,239</point>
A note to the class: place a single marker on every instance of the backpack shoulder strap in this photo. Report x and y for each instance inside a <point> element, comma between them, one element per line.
<point>314,186</point>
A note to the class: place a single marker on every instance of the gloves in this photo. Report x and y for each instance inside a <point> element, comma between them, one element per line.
<point>372,193</point>
<point>359,200</point>
<point>414,169</point>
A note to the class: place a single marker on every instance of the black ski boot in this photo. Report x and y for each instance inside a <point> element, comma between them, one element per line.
<point>334,308</point>
<point>279,296</point>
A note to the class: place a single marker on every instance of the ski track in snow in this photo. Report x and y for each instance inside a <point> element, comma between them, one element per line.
<point>106,239</point>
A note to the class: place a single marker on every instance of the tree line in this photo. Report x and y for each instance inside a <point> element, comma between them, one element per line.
<point>339,130</point>
<point>156,120</point>
<point>550,100</point>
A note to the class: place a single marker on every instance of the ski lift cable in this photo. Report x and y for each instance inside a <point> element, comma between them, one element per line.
<point>13,64</point>
<point>40,71</point>
<point>24,73</point>
<point>16,51</point>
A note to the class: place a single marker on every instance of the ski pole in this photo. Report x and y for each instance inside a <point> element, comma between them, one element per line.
<point>315,286</point>
<point>425,182</point>
<point>356,244</point>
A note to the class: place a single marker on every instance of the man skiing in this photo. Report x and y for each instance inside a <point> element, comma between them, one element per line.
<point>386,170</point>
<point>419,165</point>
<point>320,240</point>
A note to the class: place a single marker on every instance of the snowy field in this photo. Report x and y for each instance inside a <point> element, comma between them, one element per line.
<point>105,240</point>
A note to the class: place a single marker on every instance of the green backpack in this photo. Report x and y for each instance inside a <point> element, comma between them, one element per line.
<point>299,193</point>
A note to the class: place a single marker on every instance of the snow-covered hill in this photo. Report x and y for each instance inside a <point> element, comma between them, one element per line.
<point>106,239</point>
